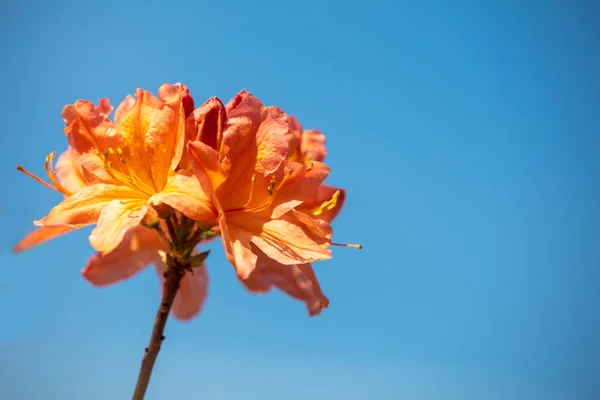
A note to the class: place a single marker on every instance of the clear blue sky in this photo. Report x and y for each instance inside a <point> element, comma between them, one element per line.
<point>468,139</point>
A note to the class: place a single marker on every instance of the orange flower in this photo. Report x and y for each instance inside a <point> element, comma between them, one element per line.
<point>255,189</point>
<point>131,165</point>
<point>138,249</point>
<point>299,281</point>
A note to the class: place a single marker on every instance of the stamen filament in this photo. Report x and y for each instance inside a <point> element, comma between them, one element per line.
<point>352,246</point>
<point>121,172</point>
<point>38,179</point>
<point>272,189</point>
<point>251,192</point>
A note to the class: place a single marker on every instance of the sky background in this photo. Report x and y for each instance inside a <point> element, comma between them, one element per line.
<point>466,135</point>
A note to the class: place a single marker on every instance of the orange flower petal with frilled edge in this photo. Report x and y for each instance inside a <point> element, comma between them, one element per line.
<point>271,141</point>
<point>89,130</point>
<point>313,145</point>
<point>294,238</point>
<point>326,205</point>
<point>237,245</point>
<point>184,193</point>
<point>85,206</point>
<point>254,142</point>
<point>42,235</point>
<point>138,249</point>
<point>115,220</point>
<point>104,107</point>
<point>302,184</point>
<point>153,131</point>
<point>192,293</point>
<point>297,281</point>
<point>69,171</point>
<point>122,109</point>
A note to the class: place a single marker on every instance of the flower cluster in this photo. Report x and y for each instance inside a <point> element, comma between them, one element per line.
<point>163,177</point>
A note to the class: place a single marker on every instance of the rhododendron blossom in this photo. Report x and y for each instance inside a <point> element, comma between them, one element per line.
<point>139,248</point>
<point>255,189</point>
<point>299,281</point>
<point>131,164</point>
<point>162,178</point>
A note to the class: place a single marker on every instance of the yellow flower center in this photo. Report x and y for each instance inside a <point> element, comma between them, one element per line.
<point>118,169</point>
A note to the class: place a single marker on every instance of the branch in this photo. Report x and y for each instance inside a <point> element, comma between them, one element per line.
<point>173,275</point>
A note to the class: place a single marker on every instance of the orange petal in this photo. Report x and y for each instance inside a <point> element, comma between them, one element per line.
<point>69,171</point>
<point>294,238</point>
<point>192,292</point>
<point>89,130</point>
<point>104,106</point>
<point>153,129</point>
<point>115,220</point>
<point>187,100</point>
<point>236,100</point>
<point>42,235</point>
<point>184,193</point>
<point>125,105</point>
<point>313,145</point>
<point>297,281</point>
<point>205,164</point>
<point>210,119</point>
<point>85,206</point>
<point>302,184</point>
<point>312,205</point>
<point>206,124</point>
<point>254,141</point>
<point>139,248</point>
<point>272,141</point>
<point>294,137</point>
<point>172,96</point>
<point>237,245</point>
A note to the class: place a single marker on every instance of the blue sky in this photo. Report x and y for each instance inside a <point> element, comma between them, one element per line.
<point>466,135</point>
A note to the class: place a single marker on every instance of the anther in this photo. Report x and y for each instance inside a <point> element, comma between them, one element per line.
<point>272,185</point>
<point>328,205</point>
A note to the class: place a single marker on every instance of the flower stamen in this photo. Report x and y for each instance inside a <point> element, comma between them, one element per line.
<point>352,246</point>
<point>251,192</point>
<point>121,172</point>
<point>273,187</point>
<point>328,205</point>
<point>35,177</point>
<point>56,186</point>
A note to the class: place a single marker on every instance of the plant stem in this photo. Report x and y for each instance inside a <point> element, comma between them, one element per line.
<point>173,276</point>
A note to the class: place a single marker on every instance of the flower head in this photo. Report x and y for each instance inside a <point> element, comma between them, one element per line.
<point>299,281</point>
<point>164,177</point>
<point>139,248</point>
<point>130,165</point>
<point>255,189</point>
